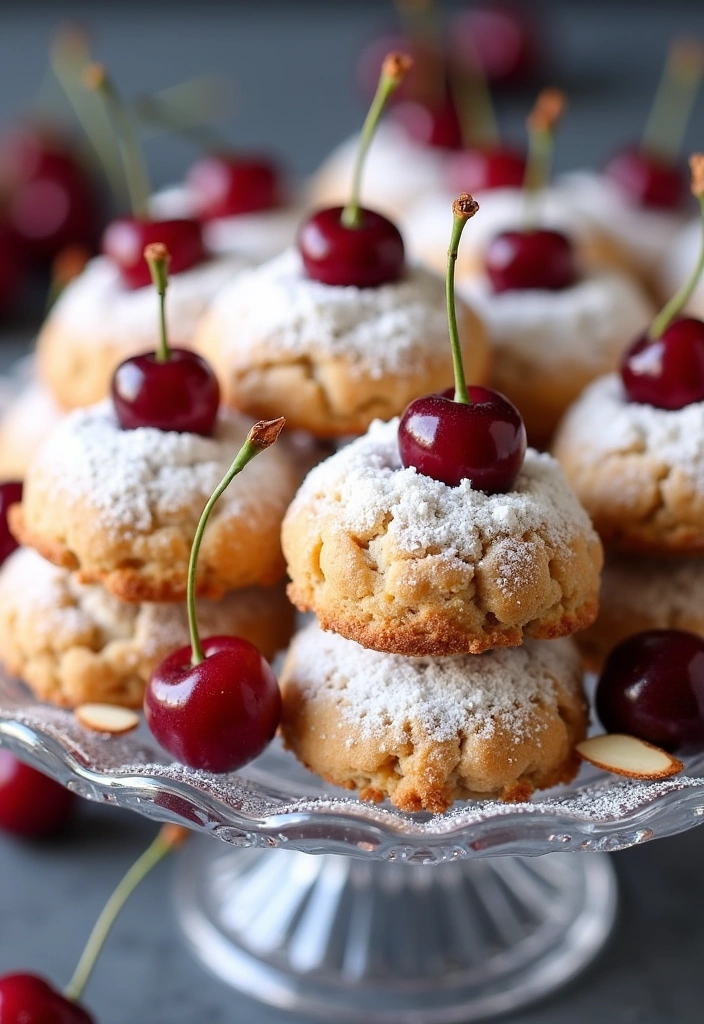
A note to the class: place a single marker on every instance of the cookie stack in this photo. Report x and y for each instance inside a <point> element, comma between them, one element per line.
<point>438,673</point>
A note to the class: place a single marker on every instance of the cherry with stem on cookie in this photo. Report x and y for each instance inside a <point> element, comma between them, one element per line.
<point>652,687</point>
<point>32,806</point>
<point>126,238</point>
<point>473,433</point>
<point>351,245</point>
<point>215,705</point>
<point>29,999</point>
<point>648,173</point>
<point>665,366</point>
<point>172,388</point>
<point>534,258</point>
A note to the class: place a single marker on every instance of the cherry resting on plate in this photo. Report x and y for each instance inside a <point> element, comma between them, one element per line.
<point>353,246</point>
<point>28,999</point>
<point>230,184</point>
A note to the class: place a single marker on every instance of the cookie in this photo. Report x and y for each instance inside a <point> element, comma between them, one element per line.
<point>332,359</point>
<point>120,507</point>
<point>638,470</point>
<point>97,322</point>
<point>426,732</point>
<point>73,643</point>
<point>405,564</point>
<point>28,419</point>
<point>548,345</point>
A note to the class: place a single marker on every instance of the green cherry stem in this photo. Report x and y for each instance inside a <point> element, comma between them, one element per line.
<point>262,435</point>
<point>680,299</point>
<point>674,98</point>
<point>158,258</point>
<point>95,77</point>
<point>169,838</point>
<point>541,124</point>
<point>463,208</point>
<point>393,71</point>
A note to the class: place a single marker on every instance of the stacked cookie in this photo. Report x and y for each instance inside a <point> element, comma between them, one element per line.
<point>441,674</point>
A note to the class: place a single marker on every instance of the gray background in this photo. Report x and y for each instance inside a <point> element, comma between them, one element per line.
<point>292,64</point>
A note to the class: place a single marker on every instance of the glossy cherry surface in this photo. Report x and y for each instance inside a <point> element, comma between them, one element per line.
<point>484,442</point>
<point>28,999</point>
<point>125,240</point>
<point>10,493</point>
<point>541,259</point>
<point>366,256</point>
<point>646,179</point>
<point>228,184</point>
<point>180,393</point>
<point>435,125</point>
<point>669,372</point>
<point>31,804</point>
<point>500,38</point>
<point>652,686</point>
<point>217,715</point>
<point>478,170</point>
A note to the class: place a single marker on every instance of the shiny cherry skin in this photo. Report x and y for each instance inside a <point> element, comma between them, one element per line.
<point>125,240</point>
<point>31,804</point>
<point>365,257</point>
<point>28,999</point>
<point>182,393</point>
<point>521,260</point>
<point>500,38</point>
<point>484,442</point>
<point>434,125</point>
<point>646,179</point>
<point>13,264</point>
<point>669,372</point>
<point>479,170</point>
<point>652,686</point>
<point>229,184</point>
<point>10,494</point>
<point>218,715</point>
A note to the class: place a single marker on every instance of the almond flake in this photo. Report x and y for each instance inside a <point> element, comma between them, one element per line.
<point>106,718</point>
<point>629,756</point>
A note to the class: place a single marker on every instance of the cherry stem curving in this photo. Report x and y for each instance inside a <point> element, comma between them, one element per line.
<point>169,838</point>
<point>262,435</point>
<point>462,209</point>
<point>475,105</point>
<point>680,299</point>
<point>674,98</point>
<point>393,71</point>
<point>158,259</point>
<point>541,135</point>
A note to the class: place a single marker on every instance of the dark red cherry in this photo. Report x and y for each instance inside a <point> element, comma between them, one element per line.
<point>652,686</point>
<point>366,256</point>
<point>436,125</point>
<point>228,184</point>
<point>541,259</point>
<point>647,179</point>
<point>180,393</point>
<point>13,260</point>
<point>125,240</point>
<point>27,999</point>
<point>484,442</point>
<point>669,372</point>
<point>31,804</point>
<point>10,494</point>
<point>476,170</point>
<point>217,715</point>
<point>500,38</point>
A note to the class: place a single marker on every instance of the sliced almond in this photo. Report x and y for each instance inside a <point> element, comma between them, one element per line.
<point>629,756</point>
<point>107,718</point>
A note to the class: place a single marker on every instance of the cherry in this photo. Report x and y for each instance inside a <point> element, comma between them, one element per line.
<point>646,179</point>
<point>436,125</point>
<point>422,80</point>
<point>498,39</point>
<point>12,268</point>
<point>125,240</point>
<point>540,259</point>
<point>652,687</point>
<point>366,256</point>
<point>10,494</point>
<point>228,184</point>
<point>478,169</point>
<point>668,372</point>
<point>31,804</point>
<point>28,999</point>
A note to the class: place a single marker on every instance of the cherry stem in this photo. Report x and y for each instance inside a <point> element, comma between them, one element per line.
<point>136,175</point>
<point>420,24</point>
<point>475,104</point>
<point>158,258</point>
<point>674,98</point>
<point>680,299</point>
<point>393,71</point>
<point>541,136</point>
<point>462,209</point>
<point>169,838</point>
<point>154,111</point>
<point>262,435</point>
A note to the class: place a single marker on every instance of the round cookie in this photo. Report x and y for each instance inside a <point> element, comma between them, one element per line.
<point>97,322</point>
<point>426,732</point>
<point>549,345</point>
<point>643,593</point>
<point>28,419</point>
<point>332,359</point>
<point>405,564</point>
<point>638,470</point>
<point>120,507</point>
<point>73,643</point>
